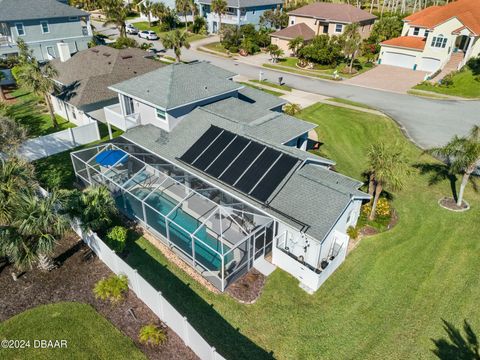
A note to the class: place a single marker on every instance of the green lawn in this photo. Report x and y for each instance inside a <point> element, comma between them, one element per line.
<point>216,46</point>
<point>272,84</point>
<point>33,115</point>
<point>88,334</point>
<point>298,71</point>
<point>349,102</point>
<point>143,25</point>
<point>387,300</point>
<point>464,85</point>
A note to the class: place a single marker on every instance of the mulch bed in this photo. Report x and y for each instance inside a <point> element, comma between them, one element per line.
<point>248,288</point>
<point>79,269</point>
<point>451,204</point>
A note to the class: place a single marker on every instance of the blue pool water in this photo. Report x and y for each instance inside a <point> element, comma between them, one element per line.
<point>163,204</point>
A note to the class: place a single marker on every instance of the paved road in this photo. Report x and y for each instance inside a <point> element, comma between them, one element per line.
<point>427,122</point>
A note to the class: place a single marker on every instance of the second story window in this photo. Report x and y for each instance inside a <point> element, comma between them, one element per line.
<point>338,28</point>
<point>161,114</point>
<point>20,29</point>
<point>45,28</point>
<point>439,41</point>
<point>416,31</point>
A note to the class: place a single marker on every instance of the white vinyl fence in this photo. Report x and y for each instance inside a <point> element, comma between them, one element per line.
<point>55,143</point>
<point>151,297</point>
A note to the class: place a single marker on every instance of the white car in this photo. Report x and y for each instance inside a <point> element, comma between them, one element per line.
<point>131,29</point>
<point>148,34</point>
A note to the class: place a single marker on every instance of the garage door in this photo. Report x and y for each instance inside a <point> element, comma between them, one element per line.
<point>429,64</point>
<point>398,59</point>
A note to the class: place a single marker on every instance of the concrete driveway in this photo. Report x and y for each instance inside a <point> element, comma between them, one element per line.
<point>388,78</point>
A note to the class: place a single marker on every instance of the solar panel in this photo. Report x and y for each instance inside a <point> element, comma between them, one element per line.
<point>205,140</point>
<point>250,167</point>
<point>226,157</point>
<point>257,170</point>
<point>273,178</point>
<point>213,150</point>
<point>238,167</point>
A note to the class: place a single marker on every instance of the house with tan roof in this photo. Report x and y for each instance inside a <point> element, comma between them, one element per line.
<point>322,18</point>
<point>436,38</point>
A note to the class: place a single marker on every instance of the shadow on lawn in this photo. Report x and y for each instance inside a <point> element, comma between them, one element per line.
<point>204,318</point>
<point>438,172</point>
<point>457,346</point>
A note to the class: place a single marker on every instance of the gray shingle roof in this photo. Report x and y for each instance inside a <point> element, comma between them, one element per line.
<point>179,84</point>
<point>245,3</point>
<point>89,73</point>
<point>333,12</point>
<point>313,195</point>
<point>11,10</point>
<point>261,98</point>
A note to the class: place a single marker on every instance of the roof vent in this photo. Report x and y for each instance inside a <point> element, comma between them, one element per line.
<point>206,87</point>
<point>106,54</point>
<point>127,57</point>
<point>95,51</point>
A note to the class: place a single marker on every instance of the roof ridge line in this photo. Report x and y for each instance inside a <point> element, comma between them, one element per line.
<point>327,185</point>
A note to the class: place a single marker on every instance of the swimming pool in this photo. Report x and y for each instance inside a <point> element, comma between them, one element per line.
<point>163,204</point>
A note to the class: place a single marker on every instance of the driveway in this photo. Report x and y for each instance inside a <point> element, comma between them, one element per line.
<point>388,78</point>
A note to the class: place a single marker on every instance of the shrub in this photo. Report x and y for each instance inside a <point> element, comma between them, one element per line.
<point>112,288</point>
<point>152,335</point>
<point>474,65</point>
<point>447,81</point>
<point>198,26</point>
<point>353,232</point>
<point>124,42</point>
<point>383,208</point>
<point>117,238</point>
<point>249,46</point>
<point>233,49</point>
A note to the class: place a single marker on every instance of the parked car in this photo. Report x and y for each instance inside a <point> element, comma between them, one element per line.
<point>132,29</point>
<point>148,34</point>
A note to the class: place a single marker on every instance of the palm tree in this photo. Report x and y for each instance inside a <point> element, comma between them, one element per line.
<point>12,135</point>
<point>275,52</point>
<point>193,8</point>
<point>463,157</point>
<point>39,80</point>
<point>159,10</point>
<point>2,95</point>
<point>296,44</point>
<point>352,41</point>
<point>219,7</point>
<point>97,207</point>
<point>147,7</point>
<point>291,109</point>
<point>34,230</point>
<point>116,13</point>
<point>175,41</point>
<point>183,6</point>
<point>387,168</point>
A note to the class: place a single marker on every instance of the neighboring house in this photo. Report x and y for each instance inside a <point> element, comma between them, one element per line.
<point>217,172</point>
<point>436,37</point>
<point>42,24</point>
<point>322,18</point>
<point>239,12</point>
<point>83,80</point>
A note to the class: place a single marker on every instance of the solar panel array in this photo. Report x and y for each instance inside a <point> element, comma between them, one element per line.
<point>250,167</point>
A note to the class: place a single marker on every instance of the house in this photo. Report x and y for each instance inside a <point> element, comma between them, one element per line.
<point>42,24</point>
<point>239,12</point>
<point>436,37</point>
<point>219,174</point>
<point>83,79</point>
<point>322,18</point>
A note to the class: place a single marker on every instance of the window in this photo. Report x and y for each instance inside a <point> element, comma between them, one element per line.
<point>20,29</point>
<point>416,31</point>
<point>292,22</point>
<point>426,33</point>
<point>45,28</point>
<point>338,28</point>
<point>439,41</point>
<point>161,114</point>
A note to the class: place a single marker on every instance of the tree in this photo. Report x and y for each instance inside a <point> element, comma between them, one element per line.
<point>2,94</point>
<point>146,8</point>
<point>275,52</point>
<point>159,10</point>
<point>183,7</point>
<point>175,41</point>
<point>296,44</point>
<point>39,80</point>
<point>463,156</point>
<point>219,7</point>
<point>276,19</point>
<point>97,207</point>
<point>116,13</point>
<point>387,168</point>
<point>34,230</point>
<point>193,8</point>
<point>352,41</point>
<point>12,135</point>
<point>323,49</point>
<point>386,28</point>
<point>291,109</point>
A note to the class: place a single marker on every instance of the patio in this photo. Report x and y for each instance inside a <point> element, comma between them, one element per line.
<point>216,234</point>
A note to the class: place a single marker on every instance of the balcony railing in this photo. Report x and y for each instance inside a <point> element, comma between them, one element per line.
<point>114,116</point>
<point>6,40</point>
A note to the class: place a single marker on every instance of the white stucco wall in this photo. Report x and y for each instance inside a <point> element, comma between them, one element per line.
<point>69,112</point>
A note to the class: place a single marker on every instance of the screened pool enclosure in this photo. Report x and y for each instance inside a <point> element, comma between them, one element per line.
<point>214,232</point>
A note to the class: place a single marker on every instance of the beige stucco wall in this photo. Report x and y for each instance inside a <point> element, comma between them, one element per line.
<point>417,54</point>
<point>365,29</point>
<point>282,44</point>
<point>446,30</point>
